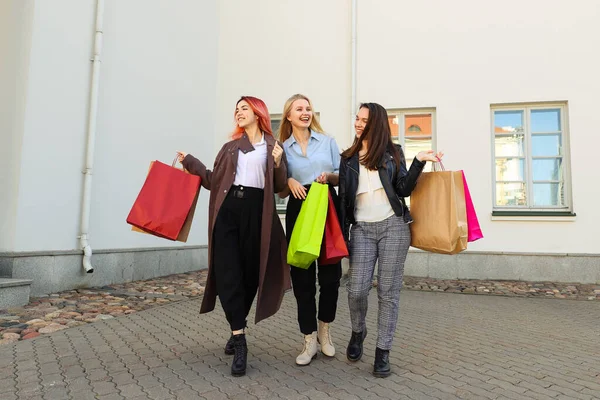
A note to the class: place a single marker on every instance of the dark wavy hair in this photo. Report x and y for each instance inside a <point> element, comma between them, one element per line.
<point>379,137</point>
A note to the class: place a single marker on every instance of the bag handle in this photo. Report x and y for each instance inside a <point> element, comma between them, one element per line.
<point>175,162</point>
<point>438,166</point>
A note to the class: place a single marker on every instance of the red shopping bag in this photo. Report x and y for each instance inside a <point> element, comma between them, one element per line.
<point>474,231</point>
<point>333,247</point>
<point>166,201</point>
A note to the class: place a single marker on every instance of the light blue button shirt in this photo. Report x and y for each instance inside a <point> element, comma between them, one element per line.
<point>322,155</point>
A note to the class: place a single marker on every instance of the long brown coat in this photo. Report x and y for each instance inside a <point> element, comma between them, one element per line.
<point>274,278</point>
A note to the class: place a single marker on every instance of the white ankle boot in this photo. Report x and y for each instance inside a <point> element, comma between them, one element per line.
<point>309,351</point>
<point>324,338</point>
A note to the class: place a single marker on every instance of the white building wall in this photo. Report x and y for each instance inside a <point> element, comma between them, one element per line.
<point>157,96</point>
<point>273,49</point>
<point>54,126</point>
<point>462,56</point>
<point>157,89</point>
<point>15,40</point>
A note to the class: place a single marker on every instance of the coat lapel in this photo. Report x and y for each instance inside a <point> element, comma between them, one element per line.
<point>270,162</point>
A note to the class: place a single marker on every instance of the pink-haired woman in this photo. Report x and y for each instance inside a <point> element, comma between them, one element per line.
<point>246,243</point>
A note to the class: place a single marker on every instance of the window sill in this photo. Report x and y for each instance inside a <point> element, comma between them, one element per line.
<point>538,216</point>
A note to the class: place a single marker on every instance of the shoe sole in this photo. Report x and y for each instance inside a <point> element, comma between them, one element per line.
<point>304,365</point>
<point>237,374</point>
<point>382,374</point>
<point>322,352</point>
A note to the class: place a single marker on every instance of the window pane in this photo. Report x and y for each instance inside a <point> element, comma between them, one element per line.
<point>507,146</point>
<point>417,125</point>
<point>510,194</point>
<point>280,203</point>
<point>275,125</point>
<point>510,169</point>
<point>546,145</point>
<point>548,194</point>
<point>547,169</point>
<point>413,146</point>
<point>394,128</point>
<point>545,120</point>
<point>508,121</point>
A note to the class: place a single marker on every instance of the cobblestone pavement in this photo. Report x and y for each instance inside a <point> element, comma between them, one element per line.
<point>447,346</point>
<point>71,308</point>
<point>548,290</point>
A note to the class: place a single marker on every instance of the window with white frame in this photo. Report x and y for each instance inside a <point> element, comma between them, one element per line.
<point>530,158</point>
<point>414,130</point>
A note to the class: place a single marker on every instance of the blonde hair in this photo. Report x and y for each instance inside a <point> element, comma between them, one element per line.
<point>285,128</point>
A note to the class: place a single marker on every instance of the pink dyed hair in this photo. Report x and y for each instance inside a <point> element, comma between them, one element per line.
<point>260,110</point>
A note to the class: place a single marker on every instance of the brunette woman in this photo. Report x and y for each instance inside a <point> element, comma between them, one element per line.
<point>373,184</point>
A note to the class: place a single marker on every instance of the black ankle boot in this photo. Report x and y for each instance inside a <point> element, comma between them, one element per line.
<point>238,366</point>
<point>229,350</point>
<point>355,347</point>
<point>381,367</point>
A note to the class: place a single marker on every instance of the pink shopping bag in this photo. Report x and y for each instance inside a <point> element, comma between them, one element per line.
<point>472,221</point>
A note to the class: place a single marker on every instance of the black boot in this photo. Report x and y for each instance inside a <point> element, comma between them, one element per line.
<point>229,350</point>
<point>381,368</point>
<point>238,366</point>
<point>355,347</point>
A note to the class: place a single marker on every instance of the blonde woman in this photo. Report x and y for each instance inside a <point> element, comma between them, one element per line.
<point>312,156</point>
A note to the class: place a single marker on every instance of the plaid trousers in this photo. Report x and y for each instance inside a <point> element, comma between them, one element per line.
<point>385,243</point>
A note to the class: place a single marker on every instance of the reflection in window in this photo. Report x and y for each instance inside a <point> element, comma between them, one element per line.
<point>414,131</point>
<point>508,121</point>
<point>546,120</point>
<point>529,157</point>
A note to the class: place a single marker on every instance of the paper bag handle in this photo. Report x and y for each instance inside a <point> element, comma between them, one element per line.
<point>438,166</point>
<point>175,162</point>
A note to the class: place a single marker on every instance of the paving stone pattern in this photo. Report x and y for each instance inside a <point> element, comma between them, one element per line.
<point>72,308</point>
<point>447,346</point>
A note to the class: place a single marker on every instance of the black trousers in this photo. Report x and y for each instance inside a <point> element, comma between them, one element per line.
<point>236,252</point>
<point>304,280</point>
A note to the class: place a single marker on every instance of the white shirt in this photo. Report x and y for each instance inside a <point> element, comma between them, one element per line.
<point>252,166</point>
<point>372,203</point>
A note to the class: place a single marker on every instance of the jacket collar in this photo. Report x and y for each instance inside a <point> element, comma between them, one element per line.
<point>354,164</point>
<point>243,144</point>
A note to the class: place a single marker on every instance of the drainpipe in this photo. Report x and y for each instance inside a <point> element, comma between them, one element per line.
<point>353,63</point>
<point>91,140</point>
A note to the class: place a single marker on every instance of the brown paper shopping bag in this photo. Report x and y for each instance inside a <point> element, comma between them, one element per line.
<point>437,205</point>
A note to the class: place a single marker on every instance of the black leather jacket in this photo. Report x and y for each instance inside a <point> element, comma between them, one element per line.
<point>397,186</point>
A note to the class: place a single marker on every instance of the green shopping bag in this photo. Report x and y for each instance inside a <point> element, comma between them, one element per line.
<point>305,243</point>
